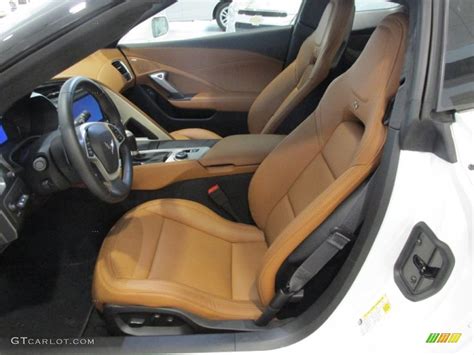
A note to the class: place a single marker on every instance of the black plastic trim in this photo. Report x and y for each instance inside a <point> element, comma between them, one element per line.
<point>431,136</point>
<point>421,230</point>
<point>112,314</point>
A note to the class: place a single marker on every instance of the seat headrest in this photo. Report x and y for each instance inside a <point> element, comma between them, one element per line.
<point>374,77</point>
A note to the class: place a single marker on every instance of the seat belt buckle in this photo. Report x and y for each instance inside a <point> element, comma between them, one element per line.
<point>220,199</point>
<point>218,196</point>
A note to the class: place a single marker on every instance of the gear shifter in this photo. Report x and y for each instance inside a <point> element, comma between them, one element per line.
<point>132,144</point>
<point>147,157</point>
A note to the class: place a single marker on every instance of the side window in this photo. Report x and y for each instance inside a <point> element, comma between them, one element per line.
<point>373,5</point>
<point>458,89</point>
<point>187,19</point>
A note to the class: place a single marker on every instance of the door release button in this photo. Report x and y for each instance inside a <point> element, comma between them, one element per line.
<point>161,79</point>
<point>424,264</point>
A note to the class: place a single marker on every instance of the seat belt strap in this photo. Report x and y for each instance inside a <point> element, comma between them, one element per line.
<point>348,220</point>
<point>316,261</point>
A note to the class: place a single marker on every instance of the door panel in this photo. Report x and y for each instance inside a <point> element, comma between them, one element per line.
<point>216,79</point>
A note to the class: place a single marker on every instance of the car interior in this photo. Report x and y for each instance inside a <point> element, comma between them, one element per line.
<point>174,188</point>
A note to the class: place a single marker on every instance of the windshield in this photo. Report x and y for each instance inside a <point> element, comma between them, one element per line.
<point>29,24</point>
<point>13,14</point>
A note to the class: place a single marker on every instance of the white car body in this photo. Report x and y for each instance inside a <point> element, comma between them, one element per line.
<point>248,14</point>
<point>362,323</point>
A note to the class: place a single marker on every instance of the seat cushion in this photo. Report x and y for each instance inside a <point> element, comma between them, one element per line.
<point>179,254</point>
<point>194,134</point>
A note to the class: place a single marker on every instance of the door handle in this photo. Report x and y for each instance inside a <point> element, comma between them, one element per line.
<point>161,79</point>
<point>424,265</point>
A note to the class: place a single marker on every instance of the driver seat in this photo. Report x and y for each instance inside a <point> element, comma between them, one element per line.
<point>179,254</point>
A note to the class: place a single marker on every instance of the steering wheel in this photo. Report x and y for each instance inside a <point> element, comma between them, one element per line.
<point>96,150</point>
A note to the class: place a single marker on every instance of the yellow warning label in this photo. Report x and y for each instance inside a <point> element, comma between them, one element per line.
<point>375,314</point>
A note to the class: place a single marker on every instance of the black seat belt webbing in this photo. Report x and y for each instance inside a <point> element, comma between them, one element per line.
<point>347,220</point>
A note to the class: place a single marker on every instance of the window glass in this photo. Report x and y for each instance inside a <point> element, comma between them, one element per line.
<point>458,87</point>
<point>369,5</point>
<point>187,19</point>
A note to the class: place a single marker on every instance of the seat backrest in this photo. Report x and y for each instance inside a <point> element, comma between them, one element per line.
<point>308,70</point>
<point>330,154</point>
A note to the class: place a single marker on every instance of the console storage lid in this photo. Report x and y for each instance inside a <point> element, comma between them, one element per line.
<point>241,150</point>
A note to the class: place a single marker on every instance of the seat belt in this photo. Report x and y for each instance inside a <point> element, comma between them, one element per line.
<point>346,219</point>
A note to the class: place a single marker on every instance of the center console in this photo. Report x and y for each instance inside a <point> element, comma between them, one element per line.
<point>161,163</point>
<point>156,151</point>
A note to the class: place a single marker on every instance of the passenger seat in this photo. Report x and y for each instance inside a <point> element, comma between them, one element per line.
<point>299,79</point>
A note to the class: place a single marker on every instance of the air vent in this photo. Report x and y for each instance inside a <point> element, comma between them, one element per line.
<point>122,68</point>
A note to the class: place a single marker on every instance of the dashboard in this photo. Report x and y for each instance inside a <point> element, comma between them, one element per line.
<point>33,121</point>
<point>22,128</point>
<point>37,115</point>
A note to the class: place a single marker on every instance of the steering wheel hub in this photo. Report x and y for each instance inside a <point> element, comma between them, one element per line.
<point>104,146</point>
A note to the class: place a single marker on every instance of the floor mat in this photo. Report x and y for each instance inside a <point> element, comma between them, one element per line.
<point>46,275</point>
<point>44,301</point>
<point>95,326</point>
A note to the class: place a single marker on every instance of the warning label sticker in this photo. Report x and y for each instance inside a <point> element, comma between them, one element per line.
<point>376,313</point>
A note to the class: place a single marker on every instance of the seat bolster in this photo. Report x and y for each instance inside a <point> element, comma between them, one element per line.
<point>194,134</point>
<point>197,216</point>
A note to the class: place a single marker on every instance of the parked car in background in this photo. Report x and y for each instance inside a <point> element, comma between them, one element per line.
<point>248,14</point>
<point>200,10</point>
<point>251,14</point>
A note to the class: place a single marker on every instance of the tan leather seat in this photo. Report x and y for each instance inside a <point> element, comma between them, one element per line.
<point>296,82</point>
<point>179,254</point>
